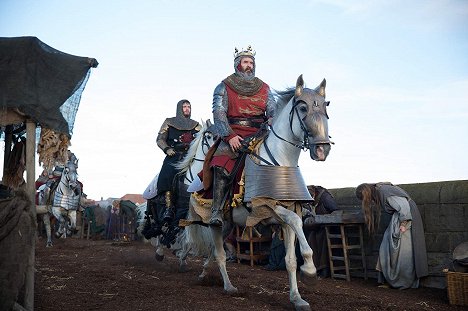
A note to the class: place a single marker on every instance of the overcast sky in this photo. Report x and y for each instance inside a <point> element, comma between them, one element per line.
<point>397,79</point>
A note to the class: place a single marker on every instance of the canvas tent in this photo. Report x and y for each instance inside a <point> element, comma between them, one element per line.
<point>41,82</point>
<point>39,87</point>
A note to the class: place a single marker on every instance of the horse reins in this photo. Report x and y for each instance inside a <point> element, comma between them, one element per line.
<point>204,144</point>
<point>304,144</point>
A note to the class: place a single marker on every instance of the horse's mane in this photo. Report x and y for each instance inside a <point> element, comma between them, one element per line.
<point>184,164</point>
<point>283,98</point>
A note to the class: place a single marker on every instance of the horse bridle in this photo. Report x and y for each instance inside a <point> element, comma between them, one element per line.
<point>204,144</point>
<point>304,144</point>
<point>66,173</point>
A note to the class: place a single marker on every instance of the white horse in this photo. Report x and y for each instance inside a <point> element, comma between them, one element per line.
<point>189,166</point>
<point>62,202</point>
<point>301,123</point>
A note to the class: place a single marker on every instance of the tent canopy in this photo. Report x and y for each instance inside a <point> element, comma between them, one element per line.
<point>41,82</point>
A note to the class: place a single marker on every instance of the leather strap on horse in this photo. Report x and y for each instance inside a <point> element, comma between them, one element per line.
<point>207,174</point>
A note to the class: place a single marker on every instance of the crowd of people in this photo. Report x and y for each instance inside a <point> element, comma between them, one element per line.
<point>243,105</point>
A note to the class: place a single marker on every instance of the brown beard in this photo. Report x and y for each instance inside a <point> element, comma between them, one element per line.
<point>248,69</point>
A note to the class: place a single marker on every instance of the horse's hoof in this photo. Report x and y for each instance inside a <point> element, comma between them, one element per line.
<point>49,244</point>
<point>231,290</point>
<point>309,279</point>
<point>302,307</point>
<point>159,257</point>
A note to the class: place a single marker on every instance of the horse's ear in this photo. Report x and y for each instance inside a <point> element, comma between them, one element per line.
<point>321,88</point>
<point>208,123</point>
<point>299,86</point>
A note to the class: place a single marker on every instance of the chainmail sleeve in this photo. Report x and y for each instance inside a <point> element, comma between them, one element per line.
<point>271,106</point>
<point>162,136</point>
<point>220,108</point>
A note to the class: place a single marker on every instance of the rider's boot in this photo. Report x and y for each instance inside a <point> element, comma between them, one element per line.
<point>169,214</point>
<point>146,232</point>
<point>220,188</point>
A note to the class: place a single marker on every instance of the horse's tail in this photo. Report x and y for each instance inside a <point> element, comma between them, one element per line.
<point>196,239</point>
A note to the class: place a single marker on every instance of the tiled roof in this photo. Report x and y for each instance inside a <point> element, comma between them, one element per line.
<point>135,198</point>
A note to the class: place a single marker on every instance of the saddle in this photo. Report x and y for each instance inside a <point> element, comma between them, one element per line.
<point>222,148</point>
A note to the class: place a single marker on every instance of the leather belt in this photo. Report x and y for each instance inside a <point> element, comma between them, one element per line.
<point>257,123</point>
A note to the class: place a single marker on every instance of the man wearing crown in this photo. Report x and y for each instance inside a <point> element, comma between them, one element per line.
<point>174,139</point>
<point>241,104</point>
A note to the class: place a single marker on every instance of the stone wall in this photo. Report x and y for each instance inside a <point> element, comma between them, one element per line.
<point>444,210</point>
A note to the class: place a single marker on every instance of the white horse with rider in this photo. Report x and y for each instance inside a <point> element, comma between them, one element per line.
<point>164,235</point>
<point>274,187</point>
<point>61,199</point>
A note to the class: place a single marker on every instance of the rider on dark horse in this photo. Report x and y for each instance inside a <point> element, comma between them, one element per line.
<point>174,139</point>
<point>242,103</point>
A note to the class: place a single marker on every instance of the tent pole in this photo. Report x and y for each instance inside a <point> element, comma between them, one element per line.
<point>31,190</point>
<point>8,140</point>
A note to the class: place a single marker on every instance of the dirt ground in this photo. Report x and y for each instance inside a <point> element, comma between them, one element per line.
<point>78,274</point>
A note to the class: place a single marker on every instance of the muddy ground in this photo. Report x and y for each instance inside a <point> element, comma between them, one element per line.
<point>78,274</point>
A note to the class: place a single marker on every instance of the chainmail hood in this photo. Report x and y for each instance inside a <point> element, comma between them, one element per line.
<point>180,121</point>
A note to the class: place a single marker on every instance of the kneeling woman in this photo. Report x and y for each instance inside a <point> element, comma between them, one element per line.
<point>402,256</point>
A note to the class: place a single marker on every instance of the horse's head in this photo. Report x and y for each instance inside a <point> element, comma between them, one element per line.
<point>198,148</point>
<point>310,108</point>
<point>70,176</point>
<point>208,136</point>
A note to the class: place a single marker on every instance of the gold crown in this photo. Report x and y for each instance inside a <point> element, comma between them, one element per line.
<point>247,52</point>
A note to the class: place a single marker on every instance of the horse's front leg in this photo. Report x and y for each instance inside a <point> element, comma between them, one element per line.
<point>220,255</point>
<point>61,232</point>
<point>159,254</point>
<point>72,217</point>
<point>291,267</point>
<point>308,269</point>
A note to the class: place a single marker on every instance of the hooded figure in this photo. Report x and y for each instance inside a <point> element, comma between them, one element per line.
<point>174,139</point>
<point>402,260</point>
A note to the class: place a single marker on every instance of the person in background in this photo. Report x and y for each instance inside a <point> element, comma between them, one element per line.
<point>324,203</point>
<point>42,179</point>
<point>402,257</point>
<point>174,139</point>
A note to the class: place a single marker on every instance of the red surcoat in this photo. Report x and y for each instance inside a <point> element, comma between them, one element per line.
<point>240,106</point>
